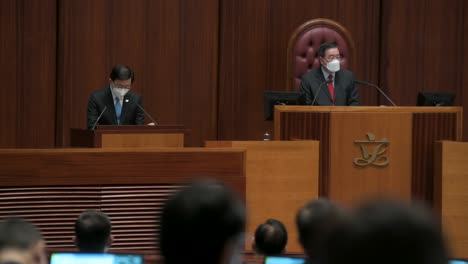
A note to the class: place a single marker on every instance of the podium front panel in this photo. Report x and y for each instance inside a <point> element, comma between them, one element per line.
<point>167,140</point>
<point>370,155</point>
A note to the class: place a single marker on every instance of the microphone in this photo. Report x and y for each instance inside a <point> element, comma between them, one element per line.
<point>378,88</point>
<point>99,117</point>
<point>320,88</point>
<point>147,114</point>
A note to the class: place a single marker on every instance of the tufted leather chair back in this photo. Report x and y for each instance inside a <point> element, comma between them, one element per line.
<point>305,42</point>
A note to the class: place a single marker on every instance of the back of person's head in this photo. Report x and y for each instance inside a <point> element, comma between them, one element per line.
<point>314,221</point>
<point>388,232</point>
<point>202,223</point>
<point>21,242</point>
<point>271,238</point>
<point>92,232</point>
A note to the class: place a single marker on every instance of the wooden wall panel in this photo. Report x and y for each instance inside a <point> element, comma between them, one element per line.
<point>205,64</point>
<point>242,69</point>
<point>253,43</point>
<point>421,44</point>
<point>464,95</point>
<point>171,45</point>
<point>8,65</point>
<point>27,63</point>
<point>199,69</point>
<point>81,61</point>
<point>429,128</point>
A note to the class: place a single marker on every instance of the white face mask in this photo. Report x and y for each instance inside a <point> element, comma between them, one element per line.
<point>120,91</point>
<point>333,66</point>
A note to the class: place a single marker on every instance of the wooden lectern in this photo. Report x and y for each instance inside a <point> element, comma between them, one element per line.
<point>372,151</point>
<point>128,137</point>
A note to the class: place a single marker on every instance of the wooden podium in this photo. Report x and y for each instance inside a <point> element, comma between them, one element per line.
<point>372,151</point>
<point>128,137</point>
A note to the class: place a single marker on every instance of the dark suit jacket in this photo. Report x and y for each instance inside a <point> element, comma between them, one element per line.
<point>131,113</point>
<point>345,91</point>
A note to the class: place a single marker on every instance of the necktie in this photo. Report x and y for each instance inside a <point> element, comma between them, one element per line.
<point>118,109</point>
<point>331,88</point>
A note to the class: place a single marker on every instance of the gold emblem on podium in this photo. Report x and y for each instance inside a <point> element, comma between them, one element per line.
<point>377,157</point>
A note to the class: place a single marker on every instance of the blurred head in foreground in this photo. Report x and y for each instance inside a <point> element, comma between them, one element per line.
<point>203,223</point>
<point>387,232</point>
<point>314,221</point>
<point>21,243</point>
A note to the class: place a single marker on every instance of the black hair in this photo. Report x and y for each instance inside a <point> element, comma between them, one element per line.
<point>92,230</point>
<point>388,232</point>
<point>314,221</point>
<point>18,234</point>
<point>122,72</point>
<point>324,47</point>
<point>271,237</point>
<point>198,221</point>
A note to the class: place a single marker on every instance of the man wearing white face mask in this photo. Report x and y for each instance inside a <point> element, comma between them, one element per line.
<point>117,103</point>
<point>341,89</point>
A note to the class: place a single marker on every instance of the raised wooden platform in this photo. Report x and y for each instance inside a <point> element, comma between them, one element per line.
<point>51,187</point>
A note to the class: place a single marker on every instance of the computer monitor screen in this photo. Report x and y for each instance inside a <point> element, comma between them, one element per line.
<point>457,261</point>
<point>435,99</point>
<point>272,98</point>
<point>94,258</point>
<point>283,260</point>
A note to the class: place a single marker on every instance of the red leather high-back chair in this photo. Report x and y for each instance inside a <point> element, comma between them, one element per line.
<point>305,42</point>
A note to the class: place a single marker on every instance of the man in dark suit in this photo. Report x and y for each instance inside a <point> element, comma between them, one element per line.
<point>118,104</point>
<point>340,91</point>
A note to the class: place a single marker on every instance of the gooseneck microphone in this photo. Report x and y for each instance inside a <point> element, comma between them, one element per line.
<point>147,114</point>
<point>320,88</point>
<point>99,117</point>
<point>378,88</point>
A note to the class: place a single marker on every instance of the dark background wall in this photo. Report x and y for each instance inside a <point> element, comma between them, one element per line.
<point>204,64</point>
